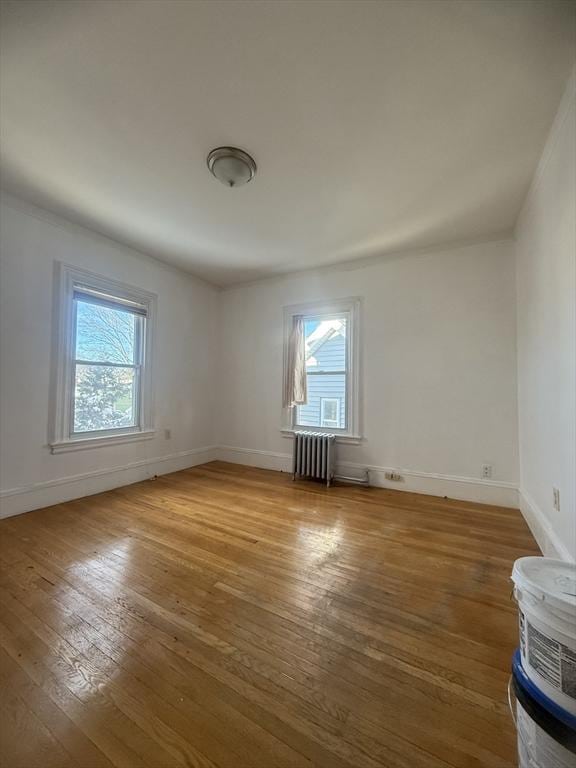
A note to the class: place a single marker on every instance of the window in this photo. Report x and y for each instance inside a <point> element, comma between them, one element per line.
<point>330,412</point>
<point>326,355</point>
<point>102,365</point>
<point>332,370</point>
<point>107,363</point>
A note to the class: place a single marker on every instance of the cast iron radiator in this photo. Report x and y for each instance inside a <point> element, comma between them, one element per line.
<point>314,454</point>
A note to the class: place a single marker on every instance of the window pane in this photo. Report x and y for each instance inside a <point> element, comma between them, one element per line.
<point>329,411</point>
<point>326,344</point>
<point>326,352</point>
<point>104,398</point>
<point>331,388</point>
<point>104,334</point>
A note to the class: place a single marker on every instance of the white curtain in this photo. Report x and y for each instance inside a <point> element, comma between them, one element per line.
<point>295,391</point>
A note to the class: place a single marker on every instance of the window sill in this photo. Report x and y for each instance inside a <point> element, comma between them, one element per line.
<point>85,443</point>
<point>348,439</point>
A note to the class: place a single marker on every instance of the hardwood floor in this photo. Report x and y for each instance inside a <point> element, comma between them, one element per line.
<point>226,616</point>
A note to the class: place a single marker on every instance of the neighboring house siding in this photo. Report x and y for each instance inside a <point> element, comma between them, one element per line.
<point>318,387</point>
<point>331,356</point>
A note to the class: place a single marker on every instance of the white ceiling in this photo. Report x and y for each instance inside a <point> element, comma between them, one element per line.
<point>377,126</point>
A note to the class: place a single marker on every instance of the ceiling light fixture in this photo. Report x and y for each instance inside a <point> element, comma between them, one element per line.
<point>231,166</point>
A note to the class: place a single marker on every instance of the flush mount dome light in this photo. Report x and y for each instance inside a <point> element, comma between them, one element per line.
<point>231,166</point>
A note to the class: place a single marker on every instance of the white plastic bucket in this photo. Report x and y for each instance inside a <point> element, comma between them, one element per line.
<point>546,732</point>
<point>536,749</point>
<point>546,593</point>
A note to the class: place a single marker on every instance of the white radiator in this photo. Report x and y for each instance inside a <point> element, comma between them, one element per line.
<point>314,454</point>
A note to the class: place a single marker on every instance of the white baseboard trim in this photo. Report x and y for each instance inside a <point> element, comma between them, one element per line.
<point>496,492</point>
<point>548,541</point>
<point>15,501</point>
<point>281,462</point>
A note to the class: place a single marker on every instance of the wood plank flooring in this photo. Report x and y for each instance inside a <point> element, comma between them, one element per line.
<point>226,616</point>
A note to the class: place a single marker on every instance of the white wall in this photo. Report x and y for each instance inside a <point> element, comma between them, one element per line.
<point>438,350</point>
<point>439,368</point>
<point>546,280</point>
<point>30,476</point>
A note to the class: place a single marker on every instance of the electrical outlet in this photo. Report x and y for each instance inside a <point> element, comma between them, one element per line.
<point>167,434</point>
<point>556,496</point>
<point>394,476</point>
<point>486,471</point>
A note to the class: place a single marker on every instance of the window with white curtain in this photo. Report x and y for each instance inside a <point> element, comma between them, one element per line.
<point>332,368</point>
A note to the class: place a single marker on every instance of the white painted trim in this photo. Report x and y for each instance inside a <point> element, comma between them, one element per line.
<point>66,277</point>
<point>82,444</point>
<point>349,439</point>
<point>15,501</point>
<point>546,538</point>
<point>498,492</point>
<point>280,462</point>
<point>352,306</point>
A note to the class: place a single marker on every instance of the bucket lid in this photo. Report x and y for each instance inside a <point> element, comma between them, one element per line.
<point>550,580</point>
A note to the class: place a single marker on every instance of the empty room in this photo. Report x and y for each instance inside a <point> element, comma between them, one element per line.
<point>288,384</point>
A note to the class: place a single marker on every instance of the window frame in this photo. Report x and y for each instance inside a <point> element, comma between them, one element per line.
<point>62,437</point>
<point>351,307</point>
<point>323,401</point>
